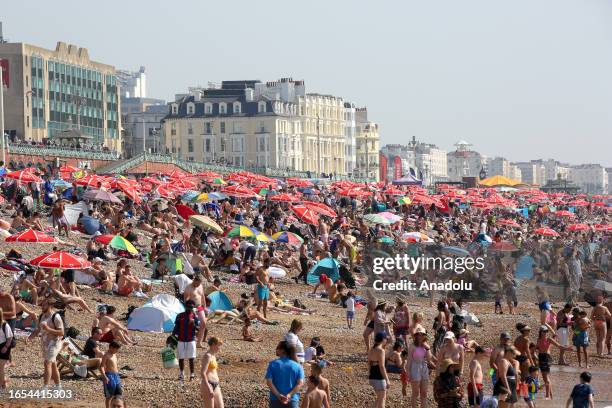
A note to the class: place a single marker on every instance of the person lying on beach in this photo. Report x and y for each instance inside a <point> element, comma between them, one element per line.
<point>250,313</point>
<point>64,300</point>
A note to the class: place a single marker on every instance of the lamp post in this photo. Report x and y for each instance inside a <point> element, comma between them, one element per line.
<point>2,115</point>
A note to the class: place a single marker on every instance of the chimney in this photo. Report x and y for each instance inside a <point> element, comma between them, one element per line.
<point>249,94</point>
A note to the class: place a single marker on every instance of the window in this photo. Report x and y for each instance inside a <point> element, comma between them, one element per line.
<point>262,144</point>
<point>262,127</point>
<point>190,108</point>
<point>237,127</point>
<point>190,145</point>
<point>237,107</point>
<point>208,128</point>
<point>261,107</point>
<point>189,128</point>
<point>173,129</point>
<point>208,108</point>
<point>207,146</point>
<point>222,108</point>
<point>174,109</point>
<point>222,127</point>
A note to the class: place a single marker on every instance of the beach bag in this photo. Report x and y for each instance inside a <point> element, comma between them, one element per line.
<point>169,359</point>
<point>80,370</point>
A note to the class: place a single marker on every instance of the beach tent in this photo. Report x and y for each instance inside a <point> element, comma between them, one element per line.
<point>408,180</point>
<point>327,266</point>
<point>72,212</point>
<point>219,301</point>
<point>498,181</point>
<point>157,315</point>
<point>182,281</point>
<point>524,267</point>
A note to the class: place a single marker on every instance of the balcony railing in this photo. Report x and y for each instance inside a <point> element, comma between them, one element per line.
<point>60,151</point>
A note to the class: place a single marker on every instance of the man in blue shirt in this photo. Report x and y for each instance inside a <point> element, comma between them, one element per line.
<point>285,377</point>
<point>582,394</point>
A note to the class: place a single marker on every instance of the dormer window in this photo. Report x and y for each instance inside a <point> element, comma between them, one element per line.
<point>208,108</point>
<point>222,108</point>
<point>190,108</point>
<point>174,108</point>
<point>261,107</point>
<point>237,107</point>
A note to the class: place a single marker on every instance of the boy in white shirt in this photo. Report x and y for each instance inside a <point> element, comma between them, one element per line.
<point>350,309</point>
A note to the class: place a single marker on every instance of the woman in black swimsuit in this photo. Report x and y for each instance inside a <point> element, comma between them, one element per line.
<point>508,371</point>
<point>378,377</point>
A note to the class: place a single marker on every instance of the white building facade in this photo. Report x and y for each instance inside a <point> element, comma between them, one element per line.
<point>464,162</point>
<point>133,84</point>
<point>591,178</point>
<point>350,147</point>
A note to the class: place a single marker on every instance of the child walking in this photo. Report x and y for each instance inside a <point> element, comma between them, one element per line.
<point>350,309</point>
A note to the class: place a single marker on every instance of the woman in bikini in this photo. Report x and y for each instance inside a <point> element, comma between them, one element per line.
<point>209,382</point>
<point>378,377</point>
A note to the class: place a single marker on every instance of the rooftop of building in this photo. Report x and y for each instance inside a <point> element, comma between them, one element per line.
<point>152,101</point>
<point>587,166</point>
<point>64,52</point>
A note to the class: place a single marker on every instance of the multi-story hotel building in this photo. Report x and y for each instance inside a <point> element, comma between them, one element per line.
<point>254,124</point>
<point>464,162</point>
<point>367,149</point>
<point>50,91</point>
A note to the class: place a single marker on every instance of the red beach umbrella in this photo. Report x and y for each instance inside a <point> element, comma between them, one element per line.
<point>31,235</point>
<point>184,211</point>
<point>239,191</point>
<point>60,260</point>
<point>288,198</point>
<point>547,232</point>
<point>508,222</point>
<point>24,176</point>
<point>503,246</point>
<point>68,169</point>
<point>578,227</point>
<point>306,214</point>
<point>320,208</point>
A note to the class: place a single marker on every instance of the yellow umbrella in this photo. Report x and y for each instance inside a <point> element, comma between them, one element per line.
<point>202,197</point>
<point>206,223</point>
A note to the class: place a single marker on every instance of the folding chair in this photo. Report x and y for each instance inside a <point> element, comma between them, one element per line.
<point>65,366</point>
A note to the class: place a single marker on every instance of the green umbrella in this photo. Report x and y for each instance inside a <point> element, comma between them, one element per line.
<point>375,219</point>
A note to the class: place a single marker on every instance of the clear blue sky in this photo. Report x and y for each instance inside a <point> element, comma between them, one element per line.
<point>522,78</point>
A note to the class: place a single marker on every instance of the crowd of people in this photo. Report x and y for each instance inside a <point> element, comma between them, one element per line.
<point>566,239</point>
